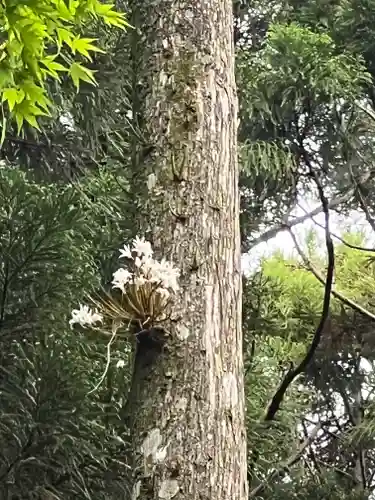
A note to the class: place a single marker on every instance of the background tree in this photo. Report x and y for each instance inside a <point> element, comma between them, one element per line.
<point>327,413</point>
<point>315,124</point>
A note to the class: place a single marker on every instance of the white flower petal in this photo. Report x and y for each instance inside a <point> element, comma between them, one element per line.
<point>138,262</point>
<point>140,280</point>
<point>121,278</point>
<point>126,252</point>
<point>161,273</point>
<point>142,247</point>
<point>85,316</point>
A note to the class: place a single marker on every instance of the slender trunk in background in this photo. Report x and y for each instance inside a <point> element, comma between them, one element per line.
<point>186,404</point>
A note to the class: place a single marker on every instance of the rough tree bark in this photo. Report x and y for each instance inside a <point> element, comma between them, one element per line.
<point>186,404</point>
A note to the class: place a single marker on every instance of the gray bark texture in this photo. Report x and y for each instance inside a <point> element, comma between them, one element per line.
<point>186,404</point>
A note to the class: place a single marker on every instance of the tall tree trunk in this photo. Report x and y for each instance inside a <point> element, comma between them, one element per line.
<point>186,404</point>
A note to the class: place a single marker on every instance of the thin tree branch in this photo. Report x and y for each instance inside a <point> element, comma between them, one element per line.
<point>362,201</point>
<point>336,469</point>
<point>251,357</point>
<point>338,295</point>
<point>345,400</point>
<point>344,242</point>
<point>294,372</point>
<point>358,415</point>
<point>26,142</point>
<point>284,467</point>
<point>311,451</point>
<point>339,200</point>
<point>365,209</point>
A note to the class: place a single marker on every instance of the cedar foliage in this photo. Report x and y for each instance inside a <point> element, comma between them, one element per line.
<point>62,196</point>
<point>56,437</point>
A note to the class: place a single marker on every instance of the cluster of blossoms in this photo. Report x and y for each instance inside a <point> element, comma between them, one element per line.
<point>146,270</point>
<point>155,279</point>
<point>85,316</point>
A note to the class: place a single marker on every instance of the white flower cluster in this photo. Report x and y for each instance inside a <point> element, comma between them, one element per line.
<point>161,274</point>
<point>85,316</point>
<point>159,278</point>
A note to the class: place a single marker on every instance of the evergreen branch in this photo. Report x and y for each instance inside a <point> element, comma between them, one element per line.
<point>19,457</point>
<point>12,329</point>
<point>32,144</point>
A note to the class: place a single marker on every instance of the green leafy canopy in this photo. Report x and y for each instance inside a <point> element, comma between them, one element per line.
<point>39,39</point>
<point>285,74</point>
